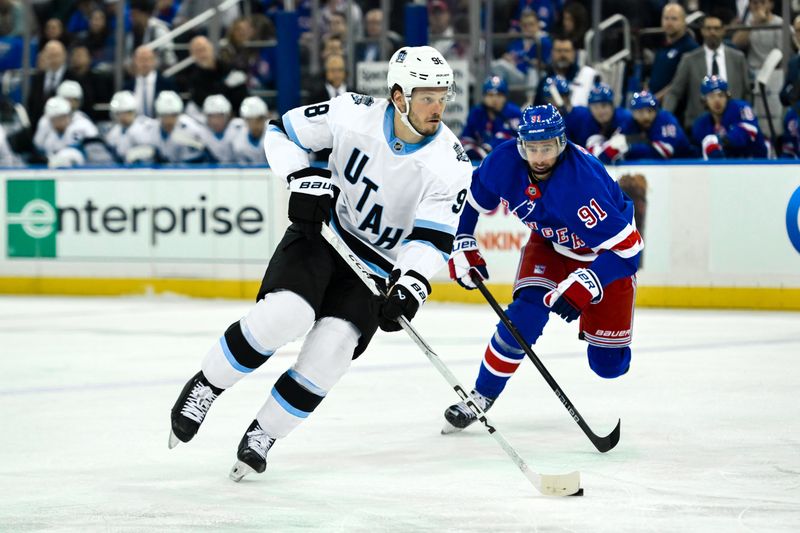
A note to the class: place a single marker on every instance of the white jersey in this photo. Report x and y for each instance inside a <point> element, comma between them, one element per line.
<point>184,145</point>
<point>140,133</point>
<point>220,145</point>
<point>7,156</point>
<point>80,127</point>
<point>45,128</point>
<point>248,150</point>
<point>398,204</point>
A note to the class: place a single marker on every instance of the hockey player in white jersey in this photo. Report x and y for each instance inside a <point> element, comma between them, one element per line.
<point>8,158</point>
<point>72,92</point>
<point>180,139</point>
<point>67,131</point>
<point>248,143</point>
<point>395,185</point>
<point>221,128</point>
<point>131,134</point>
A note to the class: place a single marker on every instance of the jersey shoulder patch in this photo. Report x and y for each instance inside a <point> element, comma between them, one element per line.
<point>362,99</point>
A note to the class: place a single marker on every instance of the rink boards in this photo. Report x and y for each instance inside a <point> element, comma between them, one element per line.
<point>716,235</point>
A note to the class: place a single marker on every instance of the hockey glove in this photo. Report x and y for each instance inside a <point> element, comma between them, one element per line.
<point>712,147</point>
<point>405,297</point>
<point>574,294</point>
<point>466,258</point>
<point>311,192</point>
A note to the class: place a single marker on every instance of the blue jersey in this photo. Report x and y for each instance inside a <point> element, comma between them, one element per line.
<point>580,209</point>
<point>481,129</point>
<point>791,134</point>
<point>665,139</point>
<point>581,125</point>
<point>523,57</point>
<point>738,131</point>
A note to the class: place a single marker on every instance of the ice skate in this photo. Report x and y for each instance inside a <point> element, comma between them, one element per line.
<point>191,408</point>
<point>458,416</point>
<point>252,453</point>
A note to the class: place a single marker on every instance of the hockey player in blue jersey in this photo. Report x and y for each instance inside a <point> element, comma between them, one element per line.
<point>600,128</point>
<point>657,134</point>
<point>730,128</point>
<point>791,134</point>
<point>580,261</point>
<point>492,122</point>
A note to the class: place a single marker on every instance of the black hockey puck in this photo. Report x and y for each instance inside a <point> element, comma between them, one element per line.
<point>579,493</point>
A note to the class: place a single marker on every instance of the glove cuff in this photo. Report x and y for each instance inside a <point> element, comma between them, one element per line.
<point>307,172</point>
<point>464,243</point>
<point>416,284</point>
<point>589,280</point>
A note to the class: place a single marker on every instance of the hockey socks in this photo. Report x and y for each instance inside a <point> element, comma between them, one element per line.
<point>500,361</point>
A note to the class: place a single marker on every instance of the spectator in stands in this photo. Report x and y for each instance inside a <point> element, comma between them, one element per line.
<point>337,25</point>
<point>12,24</point>
<point>96,86</point>
<point>79,20</point>
<point>68,130</point>
<point>600,128</point>
<point>210,76</point>
<point>263,73</point>
<point>166,10</point>
<point>146,28</point>
<point>99,39</point>
<point>235,52</point>
<point>439,25</point>
<point>53,63</point>
<point>791,87</point>
<point>564,63</point>
<point>575,23</point>
<point>191,8</point>
<point>656,133</point>
<point>371,50</point>
<point>180,137</point>
<point>532,52</point>
<point>335,80</point>
<point>331,45</point>
<point>678,42</point>
<point>547,12</point>
<point>147,83</point>
<point>729,129</point>
<point>491,122</point>
<point>757,43</point>
<point>53,30</point>
<point>330,7</point>
<point>713,58</point>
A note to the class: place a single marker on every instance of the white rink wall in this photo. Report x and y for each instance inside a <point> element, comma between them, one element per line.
<point>716,235</point>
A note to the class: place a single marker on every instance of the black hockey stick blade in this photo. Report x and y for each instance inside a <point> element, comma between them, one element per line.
<point>603,444</point>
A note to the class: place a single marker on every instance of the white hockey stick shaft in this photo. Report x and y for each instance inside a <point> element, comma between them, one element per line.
<point>548,484</point>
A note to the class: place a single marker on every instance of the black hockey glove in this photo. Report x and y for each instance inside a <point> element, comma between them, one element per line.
<point>311,192</point>
<point>405,297</point>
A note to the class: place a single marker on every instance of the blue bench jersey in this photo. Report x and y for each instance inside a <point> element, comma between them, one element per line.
<point>666,139</point>
<point>580,209</point>
<point>791,134</point>
<point>480,129</point>
<point>581,124</point>
<point>739,126</point>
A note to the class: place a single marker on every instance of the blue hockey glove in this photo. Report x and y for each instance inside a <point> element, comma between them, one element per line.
<point>574,294</point>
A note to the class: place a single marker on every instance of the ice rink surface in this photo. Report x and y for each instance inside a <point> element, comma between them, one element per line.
<point>710,428</point>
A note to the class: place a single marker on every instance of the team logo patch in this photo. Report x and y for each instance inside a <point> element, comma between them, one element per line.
<point>533,192</point>
<point>401,56</point>
<point>461,154</point>
<point>362,99</point>
<point>397,146</point>
<point>539,269</point>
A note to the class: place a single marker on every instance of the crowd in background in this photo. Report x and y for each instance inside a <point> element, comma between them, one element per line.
<point>691,88</point>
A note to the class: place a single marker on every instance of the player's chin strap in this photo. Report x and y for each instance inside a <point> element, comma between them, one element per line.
<point>404,116</point>
<point>548,484</point>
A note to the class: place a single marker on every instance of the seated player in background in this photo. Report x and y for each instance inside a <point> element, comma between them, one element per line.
<point>580,261</point>
<point>557,93</point>
<point>221,129</point>
<point>491,122</point>
<point>66,130</point>
<point>790,145</point>
<point>180,139</point>
<point>656,133</point>
<point>248,143</point>
<point>131,133</point>
<point>729,128</point>
<point>601,128</point>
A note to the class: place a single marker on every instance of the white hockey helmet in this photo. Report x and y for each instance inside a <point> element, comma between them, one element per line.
<point>122,102</point>
<point>216,104</point>
<point>412,67</point>
<point>253,107</point>
<point>57,106</point>
<point>70,89</point>
<point>168,103</point>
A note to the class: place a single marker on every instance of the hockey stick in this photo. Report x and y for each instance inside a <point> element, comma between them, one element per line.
<point>603,444</point>
<point>547,484</point>
<point>762,79</point>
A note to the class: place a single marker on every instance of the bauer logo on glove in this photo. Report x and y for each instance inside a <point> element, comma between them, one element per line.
<point>574,294</point>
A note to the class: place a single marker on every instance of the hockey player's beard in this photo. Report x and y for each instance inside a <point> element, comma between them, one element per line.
<point>428,127</point>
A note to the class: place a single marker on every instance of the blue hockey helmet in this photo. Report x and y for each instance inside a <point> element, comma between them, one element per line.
<point>541,123</point>
<point>560,83</point>
<point>495,84</point>
<point>712,84</point>
<point>601,94</point>
<point>643,100</point>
